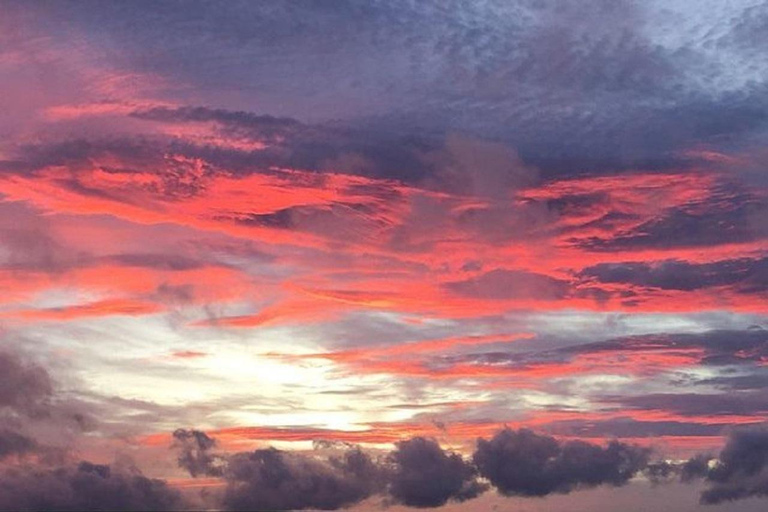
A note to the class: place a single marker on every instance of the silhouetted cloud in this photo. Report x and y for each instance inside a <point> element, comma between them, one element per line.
<point>426,476</point>
<point>521,462</point>
<point>195,455</point>
<point>271,479</point>
<point>86,487</point>
<point>741,470</point>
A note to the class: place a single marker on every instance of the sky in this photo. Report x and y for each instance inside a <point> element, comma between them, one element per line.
<point>454,255</point>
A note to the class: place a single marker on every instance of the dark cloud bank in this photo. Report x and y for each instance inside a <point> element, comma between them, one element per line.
<point>419,473</point>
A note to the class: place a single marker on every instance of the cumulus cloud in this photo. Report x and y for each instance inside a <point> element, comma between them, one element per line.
<point>84,487</point>
<point>424,475</point>
<point>523,463</point>
<point>271,479</point>
<point>419,473</point>
<point>740,470</point>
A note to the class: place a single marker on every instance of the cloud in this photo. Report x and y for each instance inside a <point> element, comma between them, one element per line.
<point>36,419</point>
<point>195,446</point>
<point>501,284</point>
<point>748,275</point>
<point>634,355</point>
<point>717,347</point>
<point>13,443</point>
<point>593,87</point>
<point>739,471</point>
<point>86,487</point>
<point>271,479</point>
<point>744,403</point>
<point>523,463</point>
<point>25,387</point>
<point>426,476</point>
<point>727,216</point>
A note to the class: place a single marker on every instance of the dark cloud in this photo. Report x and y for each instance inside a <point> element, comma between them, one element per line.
<point>13,443</point>
<point>271,479</point>
<point>575,90</point>
<point>728,216</point>
<point>35,419</point>
<point>746,275</point>
<point>195,456</point>
<point>523,463</point>
<point>86,487</point>
<point>739,471</point>
<point>744,403</point>
<point>293,144</point>
<point>426,476</point>
<point>753,381</point>
<point>633,428</point>
<point>264,128</point>
<point>695,467</point>
<point>25,387</point>
<point>511,284</point>
<point>717,348</point>
<point>418,473</point>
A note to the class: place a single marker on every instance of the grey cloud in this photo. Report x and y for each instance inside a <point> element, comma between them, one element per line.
<point>717,348</point>
<point>258,127</point>
<point>720,347</point>
<point>632,428</point>
<point>574,88</point>
<point>195,456</point>
<point>85,487</point>
<point>739,471</point>
<point>753,381</point>
<point>270,479</point>
<point>290,143</point>
<point>13,443</point>
<point>523,463</point>
<point>727,217</point>
<point>747,403</point>
<point>426,476</point>
<point>748,275</point>
<point>25,387</point>
<point>418,473</point>
<point>34,418</point>
<point>503,284</point>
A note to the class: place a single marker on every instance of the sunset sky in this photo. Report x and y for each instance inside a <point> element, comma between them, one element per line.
<point>468,255</point>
